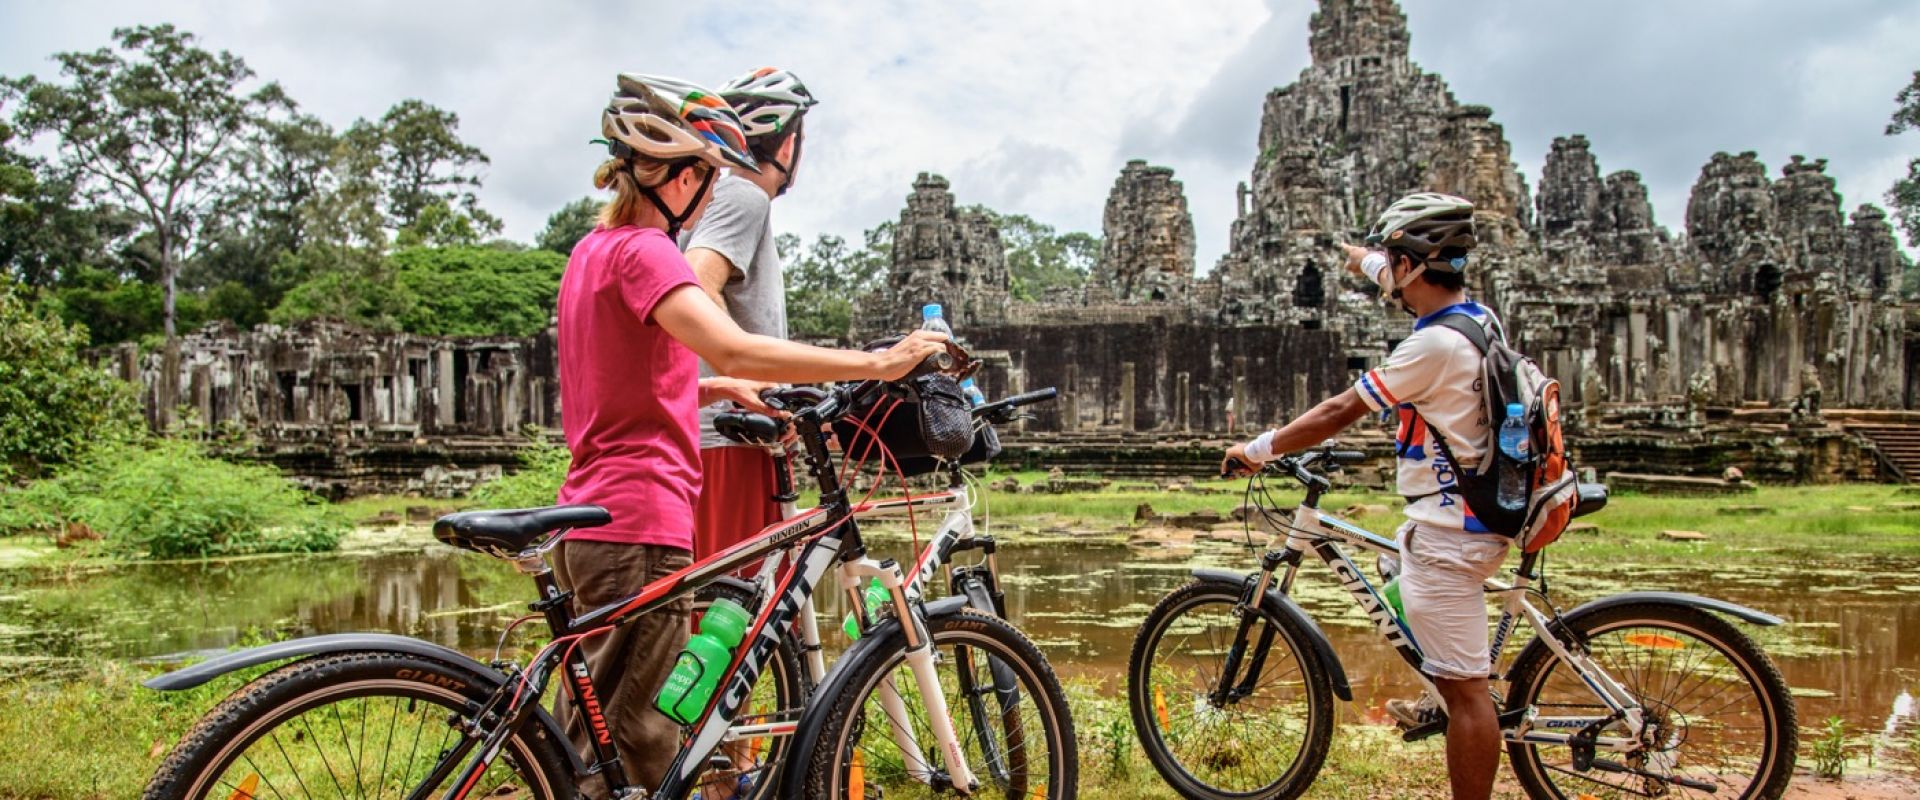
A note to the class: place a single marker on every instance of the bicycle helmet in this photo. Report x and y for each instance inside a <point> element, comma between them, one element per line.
<point>1436,227</point>
<point>768,100</point>
<point>669,119</point>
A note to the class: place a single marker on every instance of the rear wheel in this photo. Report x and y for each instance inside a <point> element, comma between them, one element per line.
<point>359,724</point>
<point>1265,735</point>
<point>1718,711</point>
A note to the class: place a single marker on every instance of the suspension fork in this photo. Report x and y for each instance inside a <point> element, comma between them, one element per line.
<point>1249,611</point>
<point>920,662</point>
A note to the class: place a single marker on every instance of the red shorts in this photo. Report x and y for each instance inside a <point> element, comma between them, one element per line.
<point>736,498</point>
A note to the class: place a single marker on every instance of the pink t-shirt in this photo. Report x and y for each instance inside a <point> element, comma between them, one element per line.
<point>628,391</point>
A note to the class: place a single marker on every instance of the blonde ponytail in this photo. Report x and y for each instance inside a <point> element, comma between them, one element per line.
<point>626,177</point>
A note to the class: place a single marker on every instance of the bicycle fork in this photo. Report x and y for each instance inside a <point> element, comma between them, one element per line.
<point>920,660</point>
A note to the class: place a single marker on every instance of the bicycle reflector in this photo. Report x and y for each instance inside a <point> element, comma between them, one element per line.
<point>1655,641</point>
<point>245,791</point>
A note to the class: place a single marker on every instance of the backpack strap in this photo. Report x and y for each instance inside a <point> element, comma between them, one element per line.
<point>1469,327</point>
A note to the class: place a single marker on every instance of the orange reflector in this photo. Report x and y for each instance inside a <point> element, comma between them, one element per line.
<point>245,790</point>
<point>1589,797</point>
<point>1655,641</point>
<point>1039,794</point>
<point>857,778</point>
<point>1160,708</point>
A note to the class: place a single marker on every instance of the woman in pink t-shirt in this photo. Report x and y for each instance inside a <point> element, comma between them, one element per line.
<point>633,324</point>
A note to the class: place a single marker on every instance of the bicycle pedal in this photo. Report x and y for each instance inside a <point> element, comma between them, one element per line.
<point>1507,720</point>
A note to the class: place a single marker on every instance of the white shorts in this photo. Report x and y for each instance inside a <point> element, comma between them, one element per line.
<point>1441,575</point>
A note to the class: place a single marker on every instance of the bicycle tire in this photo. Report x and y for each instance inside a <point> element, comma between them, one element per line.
<point>829,764</point>
<point>792,686</point>
<point>1146,701</point>
<point>225,736</point>
<point>1533,668</point>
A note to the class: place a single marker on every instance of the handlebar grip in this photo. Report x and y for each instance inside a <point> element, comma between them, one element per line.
<point>1029,398</point>
<point>1347,457</point>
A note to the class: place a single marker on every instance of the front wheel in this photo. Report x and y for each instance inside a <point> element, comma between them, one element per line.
<point>1718,713</point>
<point>354,724</point>
<point>1021,749</point>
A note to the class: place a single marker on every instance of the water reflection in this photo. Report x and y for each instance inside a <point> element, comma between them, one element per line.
<point>1853,648</point>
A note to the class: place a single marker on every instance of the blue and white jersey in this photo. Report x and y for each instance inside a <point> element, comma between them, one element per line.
<point>1432,383</point>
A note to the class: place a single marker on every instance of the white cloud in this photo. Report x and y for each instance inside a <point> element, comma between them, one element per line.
<point>1033,107</point>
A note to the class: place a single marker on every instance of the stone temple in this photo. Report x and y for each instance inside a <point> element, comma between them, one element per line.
<point>1767,333</point>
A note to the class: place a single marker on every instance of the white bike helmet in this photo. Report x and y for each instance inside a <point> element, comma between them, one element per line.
<point>768,100</point>
<point>669,119</point>
<point>1436,227</point>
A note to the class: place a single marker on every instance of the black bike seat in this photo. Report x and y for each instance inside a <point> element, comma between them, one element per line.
<point>506,532</point>
<point>1592,497</point>
<point>747,427</point>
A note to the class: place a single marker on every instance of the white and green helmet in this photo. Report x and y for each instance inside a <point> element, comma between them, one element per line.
<point>1436,227</point>
<point>768,100</point>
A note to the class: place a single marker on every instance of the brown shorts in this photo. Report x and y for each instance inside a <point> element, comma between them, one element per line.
<point>629,663</point>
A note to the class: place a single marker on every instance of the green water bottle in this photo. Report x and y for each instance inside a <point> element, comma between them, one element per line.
<point>876,594</point>
<point>696,673</point>
<point>1392,593</point>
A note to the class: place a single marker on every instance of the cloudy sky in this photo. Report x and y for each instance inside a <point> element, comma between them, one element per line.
<point>1032,106</point>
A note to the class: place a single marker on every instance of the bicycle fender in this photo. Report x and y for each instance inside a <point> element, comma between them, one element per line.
<point>333,643</point>
<point>886,635</point>
<point>1734,610</point>
<point>1282,606</point>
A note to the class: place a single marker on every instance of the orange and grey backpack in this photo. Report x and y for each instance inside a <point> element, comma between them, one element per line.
<point>1511,378</point>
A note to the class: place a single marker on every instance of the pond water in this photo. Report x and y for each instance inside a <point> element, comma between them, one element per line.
<point>1852,648</point>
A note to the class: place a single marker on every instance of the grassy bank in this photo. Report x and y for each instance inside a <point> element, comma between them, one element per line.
<point>124,731</point>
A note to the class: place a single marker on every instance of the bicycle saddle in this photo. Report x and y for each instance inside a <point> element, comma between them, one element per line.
<point>1592,497</point>
<point>509,532</point>
<point>747,427</point>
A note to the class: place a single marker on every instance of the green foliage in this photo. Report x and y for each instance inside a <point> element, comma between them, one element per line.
<point>1904,197</point>
<point>152,124</point>
<point>46,230</point>
<point>543,467</point>
<point>167,498</point>
<point>569,225</point>
<point>422,161</point>
<point>1040,259</point>
<point>114,309</point>
<point>51,402</point>
<point>477,291</point>
<point>451,291</point>
<point>1830,751</point>
<point>824,280</point>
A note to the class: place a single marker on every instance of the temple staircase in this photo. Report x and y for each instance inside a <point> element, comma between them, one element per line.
<point>1898,442</point>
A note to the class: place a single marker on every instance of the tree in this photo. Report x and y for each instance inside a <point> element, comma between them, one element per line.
<point>422,161</point>
<point>569,225</point>
<point>1039,259</point>
<point>824,280</point>
<point>1905,194</point>
<point>281,172</point>
<point>451,291</point>
<point>51,402</point>
<point>151,125</point>
<point>46,229</point>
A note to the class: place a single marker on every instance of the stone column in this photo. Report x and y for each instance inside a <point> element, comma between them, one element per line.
<point>443,390</point>
<point>1070,400</point>
<point>1183,401</point>
<point>1126,396</point>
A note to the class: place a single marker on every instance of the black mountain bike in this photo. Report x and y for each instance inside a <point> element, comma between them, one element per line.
<point>1643,694</point>
<point>374,714</point>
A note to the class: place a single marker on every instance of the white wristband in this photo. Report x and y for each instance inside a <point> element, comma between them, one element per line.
<point>1260,450</point>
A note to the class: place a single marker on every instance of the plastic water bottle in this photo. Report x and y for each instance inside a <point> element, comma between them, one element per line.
<point>696,673</point>
<point>875,595</point>
<point>974,396</point>
<point>934,318</point>
<point>1392,592</point>
<point>1515,444</point>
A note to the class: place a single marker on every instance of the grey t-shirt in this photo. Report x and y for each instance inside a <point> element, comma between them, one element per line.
<point>738,226</point>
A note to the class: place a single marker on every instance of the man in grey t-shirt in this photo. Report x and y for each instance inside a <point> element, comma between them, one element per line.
<point>732,253</point>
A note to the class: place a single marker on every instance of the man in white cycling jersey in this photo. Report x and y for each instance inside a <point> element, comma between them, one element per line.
<point>1417,254</point>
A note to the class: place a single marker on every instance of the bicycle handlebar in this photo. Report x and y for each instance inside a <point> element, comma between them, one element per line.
<point>1000,411</point>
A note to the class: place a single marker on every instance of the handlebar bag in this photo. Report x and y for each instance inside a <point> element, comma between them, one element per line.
<point>931,421</point>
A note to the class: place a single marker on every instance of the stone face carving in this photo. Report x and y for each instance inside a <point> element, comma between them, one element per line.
<point>1147,251</point>
<point>1773,297</point>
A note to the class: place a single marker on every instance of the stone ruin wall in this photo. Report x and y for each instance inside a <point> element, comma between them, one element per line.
<point>1771,297</point>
